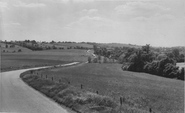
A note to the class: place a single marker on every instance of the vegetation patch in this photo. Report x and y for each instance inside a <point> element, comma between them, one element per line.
<point>157,61</point>
<point>140,91</point>
<point>81,101</point>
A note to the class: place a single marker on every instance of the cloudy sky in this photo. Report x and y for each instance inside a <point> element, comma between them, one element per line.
<point>155,22</point>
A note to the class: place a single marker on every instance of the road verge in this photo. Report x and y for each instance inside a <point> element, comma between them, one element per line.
<point>80,101</point>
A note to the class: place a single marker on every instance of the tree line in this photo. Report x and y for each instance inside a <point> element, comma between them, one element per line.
<point>146,59</point>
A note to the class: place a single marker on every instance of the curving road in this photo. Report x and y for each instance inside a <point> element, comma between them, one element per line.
<point>17,97</point>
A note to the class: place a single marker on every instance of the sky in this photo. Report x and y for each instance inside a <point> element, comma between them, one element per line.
<point>154,22</point>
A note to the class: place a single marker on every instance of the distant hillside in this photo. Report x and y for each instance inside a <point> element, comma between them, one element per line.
<point>113,45</point>
<point>69,45</point>
<point>12,48</point>
<point>37,46</point>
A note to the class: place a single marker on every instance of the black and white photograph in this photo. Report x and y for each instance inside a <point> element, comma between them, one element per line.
<point>92,56</point>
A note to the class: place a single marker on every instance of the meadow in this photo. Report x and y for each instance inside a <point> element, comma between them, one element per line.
<point>139,90</point>
<point>26,59</point>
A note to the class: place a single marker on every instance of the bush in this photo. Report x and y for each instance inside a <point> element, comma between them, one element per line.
<point>170,71</point>
<point>95,60</point>
<point>89,59</point>
<point>181,74</point>
<point>104,60</point>
<point>151,67</point>
<point>19,50</point>
<point>165,67</point>
<point>162,64</point>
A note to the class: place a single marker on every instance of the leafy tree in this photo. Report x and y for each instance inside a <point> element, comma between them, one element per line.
<point>129,52</point>
<point>170,70</point>
<point>162,64</point>
<point>176,52</point>
<point>161,56</point>
<point>146,48</point>
<point>181,58</point>
<point>170,55</point>
<point>136,61</point>
<point>33,42</point>
<point>151,67</point>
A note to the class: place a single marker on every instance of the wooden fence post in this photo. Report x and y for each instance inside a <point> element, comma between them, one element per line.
<point>121,102</point>
<point>150,110</point>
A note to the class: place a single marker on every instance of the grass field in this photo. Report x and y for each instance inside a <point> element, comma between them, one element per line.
<point>139,90</point>
<point>12,61</point>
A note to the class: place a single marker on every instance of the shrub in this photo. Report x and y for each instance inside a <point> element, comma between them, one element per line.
<point>19,50</point>
<point>95,60</point>
<point>162,64</point>
<point>170,71</point>
<point>89,59</point>
<point>151,67</point>
<point>104,60</point>
<point>181,74</point>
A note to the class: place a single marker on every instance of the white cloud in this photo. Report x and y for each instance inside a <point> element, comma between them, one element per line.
<point>3,6</point>
<point>76,1</point>
<point>140,9</point>
<point>30,5</point>
<point>88,22</point>
<point>89,12</point>
<point>11,24</point>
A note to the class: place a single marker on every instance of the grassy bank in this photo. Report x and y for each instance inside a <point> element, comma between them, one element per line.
<point>139,90</point>
<point>81,101</point>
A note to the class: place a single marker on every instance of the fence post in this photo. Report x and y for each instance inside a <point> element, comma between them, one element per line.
<point>121,101</point>
<point>81,86</point>
<point>150,110</point>
<point>96,92</point>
